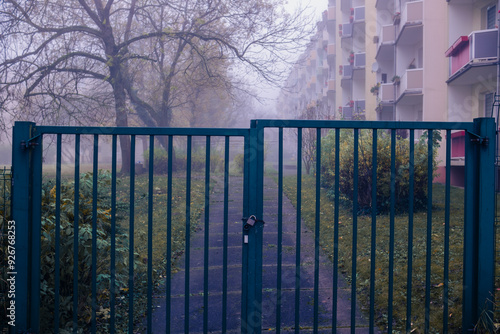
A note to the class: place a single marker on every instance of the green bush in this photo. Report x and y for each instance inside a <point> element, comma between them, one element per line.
<point>239,161</point>
<point>197,160</point>
<point>346,170</point>
<point>66,243</point>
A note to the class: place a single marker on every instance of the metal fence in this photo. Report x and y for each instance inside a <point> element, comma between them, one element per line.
<point>255,276</point>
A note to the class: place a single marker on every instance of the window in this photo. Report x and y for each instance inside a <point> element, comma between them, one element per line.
<point>491,17</point>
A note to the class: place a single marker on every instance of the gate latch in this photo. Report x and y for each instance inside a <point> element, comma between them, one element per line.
<point>478,139</point>
<point>30,143</point>
<point>250,222</point>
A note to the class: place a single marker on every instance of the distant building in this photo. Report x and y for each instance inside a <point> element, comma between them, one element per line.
<point>401,60</point>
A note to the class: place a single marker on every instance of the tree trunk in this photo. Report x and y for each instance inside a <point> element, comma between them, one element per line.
<point>122,120</point>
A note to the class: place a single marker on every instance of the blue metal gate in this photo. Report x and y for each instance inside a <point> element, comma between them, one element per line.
<point>262,290</point>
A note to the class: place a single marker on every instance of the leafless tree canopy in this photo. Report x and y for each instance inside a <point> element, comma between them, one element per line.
<point>95,62</point>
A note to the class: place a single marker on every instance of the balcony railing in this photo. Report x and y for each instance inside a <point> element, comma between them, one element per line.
<point>412,81</point>
<point>387,34</point>
<point>347,72</point>
<point>359,14</point>
<point>386,92</point>
<point>347,112</point>
<point>331,85</point>
<point>360,59</point>
<point>347,29</point>
<point>331,50</point>
<point>359,106</point>
<point>478,47</point>
<point>413,12</point>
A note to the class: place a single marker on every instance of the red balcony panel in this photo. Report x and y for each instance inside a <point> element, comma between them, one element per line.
<point>458,144</point>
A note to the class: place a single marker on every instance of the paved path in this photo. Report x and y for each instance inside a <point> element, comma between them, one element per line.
<point>196,272</point>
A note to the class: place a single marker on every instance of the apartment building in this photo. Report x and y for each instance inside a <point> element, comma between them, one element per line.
<point>376,60</point>
<point>472,55</point>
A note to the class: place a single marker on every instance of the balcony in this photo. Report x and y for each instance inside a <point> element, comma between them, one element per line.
<point>346,72</point>
<point>347,113</point>
<point>413,13</point>
<point>331,51</point>
<point>347,30</point>
<point>331,88</point>
<point>359,14</point>
<point>386,40</point>
<point>386,93</point>
<point>359,60</point>
<point>359,107</point>
<point>471,56</point>
<point>412,83</point>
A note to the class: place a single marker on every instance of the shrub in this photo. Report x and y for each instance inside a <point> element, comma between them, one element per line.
<point>239,161</point>
<point>346,170</point>
<point>197,160</point>
<point>103,230</point>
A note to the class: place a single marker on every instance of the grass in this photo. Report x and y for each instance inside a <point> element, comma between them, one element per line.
<point>382,257</point>
<point>159,227</point>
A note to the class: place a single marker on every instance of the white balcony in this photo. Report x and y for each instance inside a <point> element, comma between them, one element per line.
<point>360,60</point>
<point>359,14</point>
<point>387,34</point>
<point>413,13</point>
<point>386,92</point>
<point>347,30</point>
<point>412,81</point>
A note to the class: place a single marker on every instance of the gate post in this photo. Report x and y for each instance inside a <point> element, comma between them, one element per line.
<point>251,315</point>
<point>479,232</point>
<point>26,213</point>
<point>21,212</point>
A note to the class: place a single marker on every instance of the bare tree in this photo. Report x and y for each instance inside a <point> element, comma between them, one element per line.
<point>56,49</point>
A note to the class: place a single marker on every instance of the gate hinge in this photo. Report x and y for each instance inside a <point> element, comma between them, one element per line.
<point>478,139</point>
<point>27,144</point>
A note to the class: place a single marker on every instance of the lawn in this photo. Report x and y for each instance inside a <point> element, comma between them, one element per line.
<point>382,257</point>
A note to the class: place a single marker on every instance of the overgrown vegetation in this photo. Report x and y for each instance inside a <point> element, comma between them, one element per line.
<point>402,165</point>
<point>103,244</point>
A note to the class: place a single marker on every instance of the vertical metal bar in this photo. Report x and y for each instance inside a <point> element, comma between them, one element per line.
<point>354,230</point>
<point>168,299</point>
<point>447,232</point>
<point>21,159</point>
<point>373,250</point>
<point>150,232</point>
<point>57,247</point>
<point>207,234</point>
<point>410,231</point>
<point>225,241</point>
<point>317,231</point>
<point>429,231</point>
<point>76,214</point>
<point>95,163</point>
<point>336,231</point>
<point>248,188</point>
<point>188,234</point>
<point>391,232</point>
<point>280,231</point>
<point>113,235</point>
<point>131,237</point>
<point>36,229</point>
<point>298,230</point>
<point>469,303</point>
